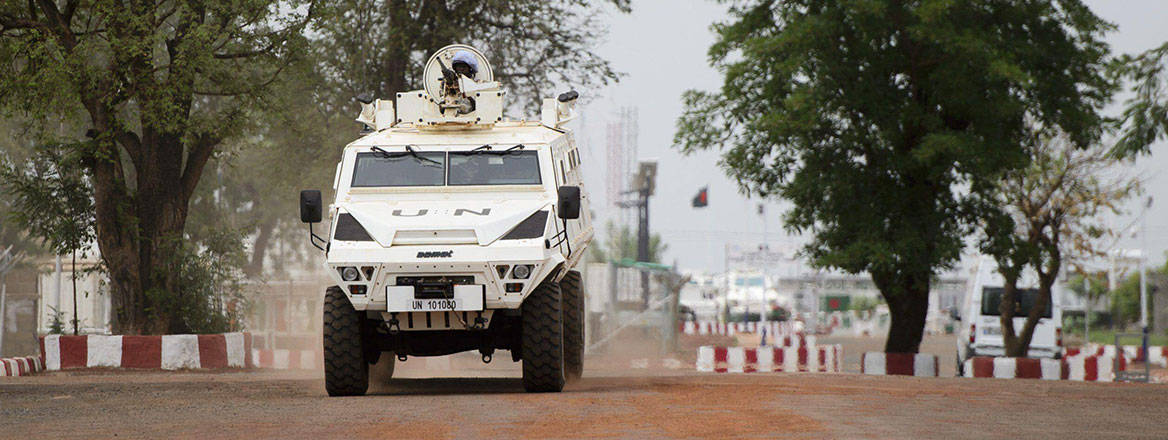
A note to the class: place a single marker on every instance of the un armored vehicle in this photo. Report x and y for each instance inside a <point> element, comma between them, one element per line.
<point>454,229</point>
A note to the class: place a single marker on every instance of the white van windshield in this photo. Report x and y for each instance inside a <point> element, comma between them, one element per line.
<point>417,168</point>
<point>991,300</point>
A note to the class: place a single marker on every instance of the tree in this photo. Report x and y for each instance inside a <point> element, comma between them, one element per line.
<point>161,85</point>
<point>1125,300</point>
<point>1051,214</point>
<point>1145,115</point>
<point>52,199</point>
<point>621,243</point>
<point>380,47</point>
<point>886,123</point>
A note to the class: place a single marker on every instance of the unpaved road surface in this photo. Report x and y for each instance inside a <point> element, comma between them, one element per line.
<point>613,402</point>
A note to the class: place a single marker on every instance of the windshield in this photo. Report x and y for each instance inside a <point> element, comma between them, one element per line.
<point>991,299</point>
<point>494,168</point>
<point>399,169</point>
<point>482,167</point>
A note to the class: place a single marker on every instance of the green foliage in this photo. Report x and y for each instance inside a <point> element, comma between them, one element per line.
<point>1145,114</point>
<point>621,243</point>
<point>1125,300</point>
<point>51,198</point>
<point>887,123</point>
<point>379,47</point>
<point>212,295</point>
<point>56,322</point>
<point>158,85</point>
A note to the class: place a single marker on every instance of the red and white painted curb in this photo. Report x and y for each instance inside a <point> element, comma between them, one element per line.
<point>286,359</point>
<point>1016,368</point>
<point>168,352</point>
<point>825,359</point>
<point>1094,368</point>
<point>21,366</point>
<point>900,364</point>
<point>1155,355</point>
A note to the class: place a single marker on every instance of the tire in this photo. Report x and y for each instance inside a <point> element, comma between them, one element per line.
<point>542,340</point>
<point>572,289</point>
<point>346,372</point>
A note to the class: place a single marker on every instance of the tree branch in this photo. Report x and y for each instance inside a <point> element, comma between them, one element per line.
<point>200,153</point>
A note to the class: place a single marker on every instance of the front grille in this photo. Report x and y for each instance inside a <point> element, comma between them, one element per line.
<point>434,287</point>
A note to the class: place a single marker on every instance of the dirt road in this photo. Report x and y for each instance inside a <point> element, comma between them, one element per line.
<point>608,404</point>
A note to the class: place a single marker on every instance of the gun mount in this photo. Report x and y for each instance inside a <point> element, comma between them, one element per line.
<point>452,100</point>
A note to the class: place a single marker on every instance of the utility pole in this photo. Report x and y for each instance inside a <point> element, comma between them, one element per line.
<point>645,183</point>
<point>1143,273</point>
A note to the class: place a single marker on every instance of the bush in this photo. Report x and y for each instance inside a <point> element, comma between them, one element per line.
<point>212,296</point>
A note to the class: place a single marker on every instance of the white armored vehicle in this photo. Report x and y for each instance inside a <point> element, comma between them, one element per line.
<point>455,229</point>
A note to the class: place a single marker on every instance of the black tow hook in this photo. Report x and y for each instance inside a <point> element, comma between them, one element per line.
<point>393,324</point>
<point>480,322</point>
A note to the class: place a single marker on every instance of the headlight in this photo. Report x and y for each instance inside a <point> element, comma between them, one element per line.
<point>349,273</point>
<point>521,271</point>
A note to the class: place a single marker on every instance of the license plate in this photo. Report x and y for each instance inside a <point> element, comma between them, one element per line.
<point>434,305</point>
<point>466,298</point>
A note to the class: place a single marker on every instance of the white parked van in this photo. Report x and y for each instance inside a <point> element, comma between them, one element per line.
<point>979,322</point>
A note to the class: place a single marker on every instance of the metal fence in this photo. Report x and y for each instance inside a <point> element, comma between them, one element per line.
<point>627,295</point>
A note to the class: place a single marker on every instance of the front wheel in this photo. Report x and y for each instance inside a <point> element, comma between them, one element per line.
<point>542,339</point>
<point>346,371</point>
<point>572,288</point>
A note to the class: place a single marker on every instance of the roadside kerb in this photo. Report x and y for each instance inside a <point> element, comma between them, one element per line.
<point>1016,368</point>
<point>823,358</point>
<point>21,366</point>
<point>167,352</point>
<point>899,364</point>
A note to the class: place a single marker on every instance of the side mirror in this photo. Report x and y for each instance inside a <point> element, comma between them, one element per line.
<point>568,205</point>
<point>310,207</point>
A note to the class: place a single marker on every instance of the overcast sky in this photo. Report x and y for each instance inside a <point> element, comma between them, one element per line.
<point>662,48</point>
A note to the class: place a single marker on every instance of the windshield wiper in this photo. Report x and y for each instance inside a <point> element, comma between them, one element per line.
<point>480,150</point>
<point>384,154</point>
<point>410,149</point>
<point>517,147</point>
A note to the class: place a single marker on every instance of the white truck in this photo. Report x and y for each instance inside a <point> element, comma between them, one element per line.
<point>980,326</point>
<point>455,229</point>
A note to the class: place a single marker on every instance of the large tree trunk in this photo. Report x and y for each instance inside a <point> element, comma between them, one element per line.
<point>907,296</point>
<point>142,259</point>
<point>259,250</point>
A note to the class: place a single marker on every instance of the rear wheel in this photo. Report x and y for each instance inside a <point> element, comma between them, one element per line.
<point>346,372</point>
<point>542,339</point>
<point>572,288</point>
